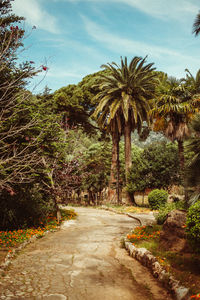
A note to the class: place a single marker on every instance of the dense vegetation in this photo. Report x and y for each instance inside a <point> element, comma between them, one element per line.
<point>80,138</point>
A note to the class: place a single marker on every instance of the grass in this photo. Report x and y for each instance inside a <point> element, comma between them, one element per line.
<point>183,266</point>
<point>129,209</point>
<point>13,238</point>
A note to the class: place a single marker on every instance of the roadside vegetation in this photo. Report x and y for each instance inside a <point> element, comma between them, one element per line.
<point>11,239</point>
<point>183,266</point>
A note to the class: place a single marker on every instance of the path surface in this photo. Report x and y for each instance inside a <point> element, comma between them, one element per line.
<point>82,261</point>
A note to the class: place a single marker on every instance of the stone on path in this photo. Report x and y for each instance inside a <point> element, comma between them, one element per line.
<point>55,297</point>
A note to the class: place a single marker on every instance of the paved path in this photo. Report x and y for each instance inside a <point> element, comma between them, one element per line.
<point>82,261</point>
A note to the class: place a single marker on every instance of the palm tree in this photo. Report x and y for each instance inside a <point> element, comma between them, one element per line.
<point>196,25</point>
<point>124,98</point>
<point>173,109</point>
<point>193,145</point>
<point>192,84</point>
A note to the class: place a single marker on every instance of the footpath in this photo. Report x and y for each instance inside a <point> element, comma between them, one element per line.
<point>81,261</point>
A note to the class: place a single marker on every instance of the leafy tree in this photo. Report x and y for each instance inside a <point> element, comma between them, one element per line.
<point>30,132</point>
<point>78,142</point>
<point>97,163</point>
<point>163,165</point>
<point>76,103</point>
<point>157,166</point>
<point>137,174</point>
<point>13,76</point>
<point>16,158</point>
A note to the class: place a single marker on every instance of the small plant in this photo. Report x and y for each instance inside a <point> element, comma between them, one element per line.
<point>195,297</point>
<point>164,210</point>
<point>193,223</point>
<point>144,233</point>
<point>157,198</point>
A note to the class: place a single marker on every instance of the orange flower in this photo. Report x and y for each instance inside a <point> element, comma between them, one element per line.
<point>195,296</point>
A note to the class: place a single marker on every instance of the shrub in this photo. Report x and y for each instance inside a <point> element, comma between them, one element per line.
<point>27,208</point>
<point>164,210</point>
<point>157,198</point>
<point>193,223</point>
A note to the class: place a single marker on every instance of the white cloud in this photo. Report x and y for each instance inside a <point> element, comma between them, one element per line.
<point>164,9</point>
<point>120,45</point>
<point>35,15</point>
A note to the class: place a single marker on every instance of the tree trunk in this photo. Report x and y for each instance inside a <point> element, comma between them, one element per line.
<point>182,165</point>
<point>181,155</point>
<point>113,191</point>
<point>128,160</point>
<point>117,187</point>
<point>127,139</point>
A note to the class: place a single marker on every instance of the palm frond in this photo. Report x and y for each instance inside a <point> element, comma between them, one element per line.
<point>196,25</point>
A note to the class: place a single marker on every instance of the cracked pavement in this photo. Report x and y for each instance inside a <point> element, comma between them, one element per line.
<point>84,260</point>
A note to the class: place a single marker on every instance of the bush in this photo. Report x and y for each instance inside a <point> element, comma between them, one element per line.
<point>193,223</point>
<point>164,210</point>
<point>27,208</point>
<point>157,198</point>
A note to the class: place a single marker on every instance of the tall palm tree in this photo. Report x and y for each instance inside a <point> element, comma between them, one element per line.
<point>124,97</point>
<point>196,25</point>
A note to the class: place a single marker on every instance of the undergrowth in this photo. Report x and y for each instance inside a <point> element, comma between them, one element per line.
<point>183,266</point>
<point>11,238</point>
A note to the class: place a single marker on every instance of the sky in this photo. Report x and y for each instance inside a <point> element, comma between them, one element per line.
<point>73,38</point>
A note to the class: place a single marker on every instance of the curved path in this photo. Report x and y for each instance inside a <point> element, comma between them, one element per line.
<point>82,261</point>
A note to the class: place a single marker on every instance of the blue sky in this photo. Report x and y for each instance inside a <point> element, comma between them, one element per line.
<point>75,37</point>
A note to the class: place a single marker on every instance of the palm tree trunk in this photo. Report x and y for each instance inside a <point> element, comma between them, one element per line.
<point>128,160</point>
<point>118,166</point>
<point>127,139</point>
<point>114,172</point>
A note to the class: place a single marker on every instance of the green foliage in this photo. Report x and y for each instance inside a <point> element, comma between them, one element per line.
<point>78,142</point>
<point>155,166</point>
<point>157,198</point>
<point>13,76</point>
<point>163,164</point>
<point>193,223</point>
<point>164,210</point>
<point>32,142</point>
<point>67,214</point>
<point>136,177</point>
<point>97,161</point>
<point>193,165</point>
<point>76,103</point>
<point>25,208</point>
<point>196,25</point>
<point>128,101</point>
